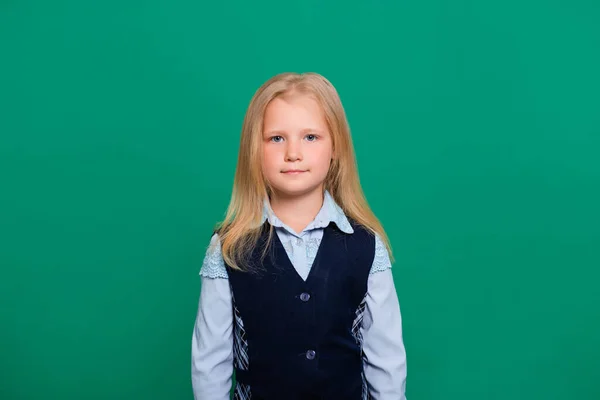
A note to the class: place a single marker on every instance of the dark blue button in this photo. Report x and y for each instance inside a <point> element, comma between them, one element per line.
<point>311,354</point>
<point>304,296</point>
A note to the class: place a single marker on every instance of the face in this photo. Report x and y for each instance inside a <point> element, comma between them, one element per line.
<point>297,147</point>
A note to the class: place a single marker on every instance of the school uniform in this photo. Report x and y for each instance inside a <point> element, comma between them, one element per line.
<point>318,318</point>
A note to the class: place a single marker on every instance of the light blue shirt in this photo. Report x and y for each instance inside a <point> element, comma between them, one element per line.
<point>383,346</point>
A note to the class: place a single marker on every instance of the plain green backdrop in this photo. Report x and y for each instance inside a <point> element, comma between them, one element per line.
<point>477,131</point>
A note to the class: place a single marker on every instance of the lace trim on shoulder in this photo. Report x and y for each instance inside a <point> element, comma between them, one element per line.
<point>213,265</point>
<point>381,262</point>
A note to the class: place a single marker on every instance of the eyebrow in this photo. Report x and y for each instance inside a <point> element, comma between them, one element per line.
<point>303,131</point>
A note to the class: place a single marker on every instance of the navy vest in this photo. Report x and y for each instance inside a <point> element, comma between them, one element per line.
<point>296,339</point>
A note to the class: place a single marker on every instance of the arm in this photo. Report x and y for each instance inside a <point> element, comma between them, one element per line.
<point>383,346</point>
<point>212,340</point>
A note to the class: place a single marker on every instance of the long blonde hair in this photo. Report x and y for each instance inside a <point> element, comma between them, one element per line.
<point>240,230</point>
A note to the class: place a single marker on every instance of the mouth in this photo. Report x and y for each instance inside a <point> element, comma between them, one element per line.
<point>293,171</point>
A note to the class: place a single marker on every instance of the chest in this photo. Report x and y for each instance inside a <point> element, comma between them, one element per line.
<point>333,287</point>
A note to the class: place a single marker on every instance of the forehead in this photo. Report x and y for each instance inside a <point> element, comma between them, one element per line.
<point>295,113</point>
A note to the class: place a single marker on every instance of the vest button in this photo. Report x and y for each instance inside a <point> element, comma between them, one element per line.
<point>311,354</point>
<point>304,296</point>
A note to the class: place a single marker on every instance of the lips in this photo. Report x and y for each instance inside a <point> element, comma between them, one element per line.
<point>293,171</point>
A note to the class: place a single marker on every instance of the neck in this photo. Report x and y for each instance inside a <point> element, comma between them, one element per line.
<point>299,210</point>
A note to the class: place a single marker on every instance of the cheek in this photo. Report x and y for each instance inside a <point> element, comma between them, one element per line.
<point>269,157</point>
<point>324,157</point>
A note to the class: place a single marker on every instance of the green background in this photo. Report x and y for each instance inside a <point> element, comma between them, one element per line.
<point>477,131</point>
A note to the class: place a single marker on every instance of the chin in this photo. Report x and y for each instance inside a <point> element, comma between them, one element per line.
<point>291,190</point>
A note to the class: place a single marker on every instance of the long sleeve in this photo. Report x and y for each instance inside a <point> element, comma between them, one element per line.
<point>383,346</point>
<point>212,340</point>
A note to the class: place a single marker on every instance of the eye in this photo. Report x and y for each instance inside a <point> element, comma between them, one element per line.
<point>276,139</point>
<point>311,137</point>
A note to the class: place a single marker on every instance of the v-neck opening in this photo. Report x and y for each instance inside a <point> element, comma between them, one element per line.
<point>315,263</point>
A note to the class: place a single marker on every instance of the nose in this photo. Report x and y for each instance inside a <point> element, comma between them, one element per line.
<point>293,151</point>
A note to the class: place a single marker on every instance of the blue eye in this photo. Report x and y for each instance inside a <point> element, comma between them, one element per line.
<point>311,138</point>
<point>276,137</point>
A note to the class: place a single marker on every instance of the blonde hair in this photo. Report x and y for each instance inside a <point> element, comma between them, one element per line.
<point>240,230</point>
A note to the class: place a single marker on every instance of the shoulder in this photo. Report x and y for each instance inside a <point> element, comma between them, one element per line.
<point>213,265</point>
<point>381,256</point>
<point>381,261</point>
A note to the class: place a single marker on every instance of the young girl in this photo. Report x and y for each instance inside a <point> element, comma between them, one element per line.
<point>297,294</point>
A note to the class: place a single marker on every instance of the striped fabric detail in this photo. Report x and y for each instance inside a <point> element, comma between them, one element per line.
<point>242,392</point>
<point>356,325</point>
<point>240,353</point>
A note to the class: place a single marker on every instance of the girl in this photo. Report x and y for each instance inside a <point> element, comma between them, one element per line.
<point>297,293</point>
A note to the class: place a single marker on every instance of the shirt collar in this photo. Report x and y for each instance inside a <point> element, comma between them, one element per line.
<point>329,212</point>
